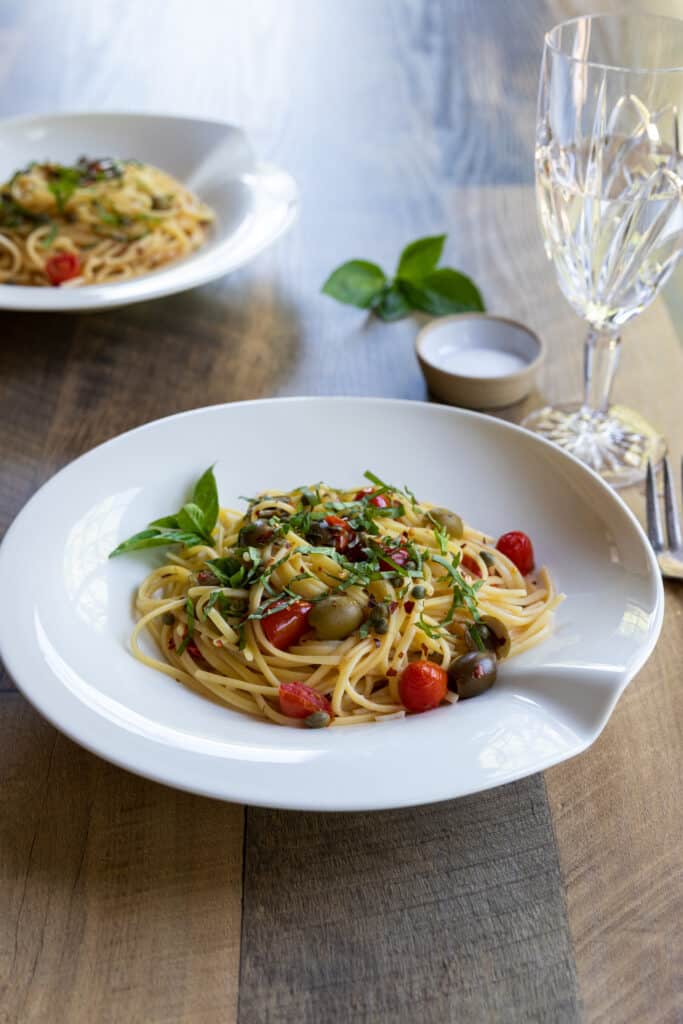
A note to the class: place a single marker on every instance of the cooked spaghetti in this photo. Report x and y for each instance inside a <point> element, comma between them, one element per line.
<point>322,606</point>
<point>97,221</point>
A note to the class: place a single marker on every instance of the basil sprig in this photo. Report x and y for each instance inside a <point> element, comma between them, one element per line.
<point>192,525</point>
<point>417,284</point>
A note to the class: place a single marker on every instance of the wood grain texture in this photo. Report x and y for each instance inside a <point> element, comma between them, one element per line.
<point>446,913</point>
<point>118,897</point>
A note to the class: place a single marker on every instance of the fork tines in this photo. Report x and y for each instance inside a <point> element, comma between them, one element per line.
<point>654,519</point>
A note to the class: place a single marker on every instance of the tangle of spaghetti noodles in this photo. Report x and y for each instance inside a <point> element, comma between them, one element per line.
<point>97,221</point>
<point>421,593</point>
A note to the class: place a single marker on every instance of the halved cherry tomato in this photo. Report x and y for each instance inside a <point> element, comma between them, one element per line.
<point>297,700</point>
<point>423,685</point>
<point>517,547</point>
<point>379,500</point>
<point>344,531</point>
<point>470,565</point>
<point>285,628</point>
<point>397,555</point>
<point>62,267</point>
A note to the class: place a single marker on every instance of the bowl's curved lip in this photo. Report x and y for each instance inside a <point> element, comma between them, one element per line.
<point>504,378</point>
<point>266,182</point>
<point>137,763</point>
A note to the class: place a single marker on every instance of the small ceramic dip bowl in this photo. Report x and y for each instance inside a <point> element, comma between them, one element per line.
<point>479,361</point>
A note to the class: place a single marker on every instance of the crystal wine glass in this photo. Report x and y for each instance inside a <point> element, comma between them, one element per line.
<point>609,186</point>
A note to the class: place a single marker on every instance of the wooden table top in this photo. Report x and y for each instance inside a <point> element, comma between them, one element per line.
<point>558,898</point>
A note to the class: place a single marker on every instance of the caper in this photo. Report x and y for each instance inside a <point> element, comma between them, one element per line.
<point>335,617</point>
<point>450,521</point>
<point>494,635</point>
<point>168,618</point>
<point>472,674</point>
<point>317,720</point>
<point>308,497</point>
<point>487,558</point>
<point>418,592</point>
<point>255,534</point>
<point>378,619</point>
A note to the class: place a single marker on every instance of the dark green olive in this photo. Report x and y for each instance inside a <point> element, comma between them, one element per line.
<point>335,617</point>
<point>494,635</point>
<point>320,535</point>
<point>472,674</point>
<point>255,534</point>
<point>317,720</point>
<point>451,522</point>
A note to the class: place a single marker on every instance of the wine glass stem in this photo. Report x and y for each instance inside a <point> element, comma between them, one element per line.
<point>600,359</point>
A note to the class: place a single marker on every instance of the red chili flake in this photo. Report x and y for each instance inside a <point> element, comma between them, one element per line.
<point>171,644</point>
<point>409,605</point>
<point>392,672</point>
<point>392,607</point>
<point>193,650</point>
<point>377,643</point>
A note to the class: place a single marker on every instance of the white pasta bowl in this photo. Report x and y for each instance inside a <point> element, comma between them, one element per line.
<point>66,612</point>
<point>254,202</point>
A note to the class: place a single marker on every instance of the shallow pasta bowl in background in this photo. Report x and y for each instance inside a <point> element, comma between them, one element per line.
<point>67,617</point>
<point>253,202</point>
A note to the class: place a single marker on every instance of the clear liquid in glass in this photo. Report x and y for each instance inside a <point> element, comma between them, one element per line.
<point>611,213</point>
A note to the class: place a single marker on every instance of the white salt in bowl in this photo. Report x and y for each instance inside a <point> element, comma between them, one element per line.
<point>479,361</point>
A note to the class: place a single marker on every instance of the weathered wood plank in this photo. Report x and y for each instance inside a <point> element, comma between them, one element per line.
<point>452,912</point>
<point>119,898</point>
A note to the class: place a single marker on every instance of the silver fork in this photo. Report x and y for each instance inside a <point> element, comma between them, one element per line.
<point>670,555</point>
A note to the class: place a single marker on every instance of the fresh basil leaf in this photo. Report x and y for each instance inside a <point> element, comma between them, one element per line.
<point>191,518</point>
<point>155,538</point>
<point>63,185</point>
<point>167,523</point>
<point>391,304</point>
<point>444,291</point>
<point>420,257</point>
<point>205,495</point>
<point>356,283</point>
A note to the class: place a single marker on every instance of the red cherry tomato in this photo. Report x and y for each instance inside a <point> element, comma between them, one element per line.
<point>517,547</point>
<point>285,628</point>
<point>344,532</point>
<point>297,700</point>
<point>470,565</point>
<point>62,267</point>
<point>397,555</point>
<point>423,685</point>
<point>379,500</point>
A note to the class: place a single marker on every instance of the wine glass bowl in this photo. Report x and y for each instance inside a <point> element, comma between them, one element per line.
<point>609,186</point>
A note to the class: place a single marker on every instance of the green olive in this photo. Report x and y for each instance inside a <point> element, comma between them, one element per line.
<point>335,617</point>
<point>255,534</point>
<point>450,522</point>
<point>317,720</point>
<point>494,635</point>
<point>472,674</point>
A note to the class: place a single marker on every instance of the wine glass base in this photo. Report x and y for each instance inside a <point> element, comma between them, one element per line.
<point>617,444</point>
